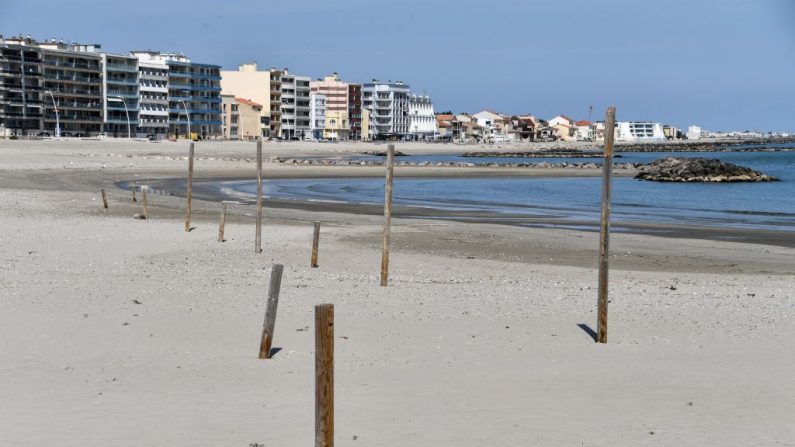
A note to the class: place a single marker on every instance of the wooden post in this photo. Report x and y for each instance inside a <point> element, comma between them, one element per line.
<point>324,375</point>
<point>134,199</point>
<point>270,312</point>
<point>104,199</point>
<point>190,188</point>
<point>145,203</point>
<point>315,244</point>
<point>258,235</point>
<point>604,233</point>
<point>223,222</point>
<point>390,167</point>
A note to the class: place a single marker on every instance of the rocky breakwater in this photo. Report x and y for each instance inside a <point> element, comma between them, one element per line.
<point>456,164</point>
<point>679,169</point>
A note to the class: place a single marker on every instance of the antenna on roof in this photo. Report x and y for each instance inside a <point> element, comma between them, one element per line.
<point>590,111</point>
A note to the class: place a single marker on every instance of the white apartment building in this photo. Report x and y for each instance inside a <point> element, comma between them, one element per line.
<point>295,106</point>
<point>694,133</point>
<point>317,115</point>
<point>153,91</point>
<point>638,131</point>
<point>422,123</point>
<point>388,105</point>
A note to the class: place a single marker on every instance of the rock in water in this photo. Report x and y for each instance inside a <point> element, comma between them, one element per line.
<point>680,169</point>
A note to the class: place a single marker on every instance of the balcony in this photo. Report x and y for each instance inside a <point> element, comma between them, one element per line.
<point>122,93</point>
<point>80,79</point>
<point>122,81</point>
<point>110,66</point>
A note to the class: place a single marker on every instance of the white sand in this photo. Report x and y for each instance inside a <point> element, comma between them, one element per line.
<point>456,352</point>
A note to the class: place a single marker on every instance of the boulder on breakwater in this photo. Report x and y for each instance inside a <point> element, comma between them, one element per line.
<point>680,169</point>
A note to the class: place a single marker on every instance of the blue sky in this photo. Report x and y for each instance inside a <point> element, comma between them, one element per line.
<point>727,64</point>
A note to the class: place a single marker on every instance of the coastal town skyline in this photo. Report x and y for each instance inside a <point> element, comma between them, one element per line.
<point>677,81</point>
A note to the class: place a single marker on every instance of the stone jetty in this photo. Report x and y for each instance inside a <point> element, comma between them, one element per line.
<point>680,169</point>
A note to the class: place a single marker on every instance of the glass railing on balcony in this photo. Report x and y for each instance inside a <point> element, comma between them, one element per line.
<point>122,81</point>
<point>110,66</point>
<point>123,94</point>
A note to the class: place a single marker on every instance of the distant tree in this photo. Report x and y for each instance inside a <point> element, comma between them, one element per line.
<point>446,112</point>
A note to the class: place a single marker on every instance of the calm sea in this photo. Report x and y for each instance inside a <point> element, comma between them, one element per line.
<point>574,201</point>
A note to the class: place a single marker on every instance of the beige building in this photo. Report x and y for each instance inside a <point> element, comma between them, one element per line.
<point>365,132</point>
<point>240,118</point>
<point>248,82</point>
<point>337,126</point>
<point>335,90</point>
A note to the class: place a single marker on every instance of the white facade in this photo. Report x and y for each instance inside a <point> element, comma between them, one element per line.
<point>639,131</point>
<point>560,119</point>
<point>317,115</point>
<point>153,90</point>
<point>388,104</point>
<point>693,133</point>
<point>422,124</point>
<point>487,120</point>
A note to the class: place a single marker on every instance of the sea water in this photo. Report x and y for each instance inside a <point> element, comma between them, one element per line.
<point>574,201</point>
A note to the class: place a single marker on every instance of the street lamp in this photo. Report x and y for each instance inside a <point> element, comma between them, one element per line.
<point>57,122</point>
<point>187,114</point>
<point>127,112</point>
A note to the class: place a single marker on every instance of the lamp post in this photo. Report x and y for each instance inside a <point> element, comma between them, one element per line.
<point>126,111</point>
<point>57,121</point>
<point>187,114</point>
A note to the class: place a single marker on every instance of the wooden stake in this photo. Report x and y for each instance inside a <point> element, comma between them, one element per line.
<point>270,312</point>
<point>604,234</point>
<point>315,244</point>
<point>145,203</point>
<point>390,167</point>
<point>104,199</point>
<point>190,188</point>
<point>324,375</point>
<point>258,235</point>
<point>134,199</point>
<point>223,222</point>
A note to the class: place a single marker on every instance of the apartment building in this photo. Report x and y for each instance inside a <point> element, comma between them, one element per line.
<point>72,76</point>
<point>317,115</point>
<point>194,92</point>
<point>355,110</point>
<point>248,82</point>
<point>120,95</point>
<point>335,90</point>
<point>295,107</point>
<point>388,104</point>
<point>240,118</point>
<point>639,131</point>
<point>422,123</point>
<point>153,94</point>
<point>275,103</point>
<point>21,96</point>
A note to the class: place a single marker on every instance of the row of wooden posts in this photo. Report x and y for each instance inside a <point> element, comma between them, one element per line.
<point>324,313</point>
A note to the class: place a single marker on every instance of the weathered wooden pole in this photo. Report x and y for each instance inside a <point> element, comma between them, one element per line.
<point>258,235</point>
<point>315,244</point>
<point>324,375</point>
<point>190,188</point>
<point>134,199</point>
<point>222,223</point>
<point>145,203</point>
<point>104,199</point>
<point>604,233</point>
<point>390,168</point>
<point>270,313</point>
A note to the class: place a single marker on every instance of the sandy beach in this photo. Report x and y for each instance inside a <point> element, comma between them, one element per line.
<point>123,332</point>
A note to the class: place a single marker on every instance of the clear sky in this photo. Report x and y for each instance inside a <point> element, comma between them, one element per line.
<point>721,64</point>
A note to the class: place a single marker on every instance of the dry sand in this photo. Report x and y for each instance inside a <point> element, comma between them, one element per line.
<point>476,342</point>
